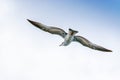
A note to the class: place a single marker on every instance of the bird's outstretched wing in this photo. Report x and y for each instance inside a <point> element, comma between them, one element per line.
<point>89,44</point>
<point>52,30</point>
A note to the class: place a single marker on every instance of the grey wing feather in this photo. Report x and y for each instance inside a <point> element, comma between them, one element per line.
<point>89,44</point>
<point>52,30</point>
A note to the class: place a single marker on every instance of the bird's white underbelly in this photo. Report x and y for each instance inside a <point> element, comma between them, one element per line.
<point>68,40</point>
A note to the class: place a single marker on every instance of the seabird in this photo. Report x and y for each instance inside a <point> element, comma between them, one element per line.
<point>68,37</point>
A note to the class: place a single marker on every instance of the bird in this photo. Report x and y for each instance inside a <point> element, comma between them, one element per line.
<point>68,37</point>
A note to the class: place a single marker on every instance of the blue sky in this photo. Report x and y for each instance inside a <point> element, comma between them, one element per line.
<point>29,53</point>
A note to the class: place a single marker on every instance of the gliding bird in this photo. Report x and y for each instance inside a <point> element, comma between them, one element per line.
<point>68,37</point>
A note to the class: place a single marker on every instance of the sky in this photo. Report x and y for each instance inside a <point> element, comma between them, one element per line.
<point>27,53</point>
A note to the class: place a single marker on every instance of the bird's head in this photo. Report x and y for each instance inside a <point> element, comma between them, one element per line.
<point>72,32</point>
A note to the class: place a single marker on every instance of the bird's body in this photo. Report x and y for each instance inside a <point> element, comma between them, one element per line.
<point>68,37</point>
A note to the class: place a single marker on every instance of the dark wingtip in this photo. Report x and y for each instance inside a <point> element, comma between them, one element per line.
<point>108,50</point>
<point>29,20</point>
<point>32,22</point>
<point>36,24</point>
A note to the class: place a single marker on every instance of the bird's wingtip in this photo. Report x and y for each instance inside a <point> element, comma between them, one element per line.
<point>28,19</point>
<point>109,51</point>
